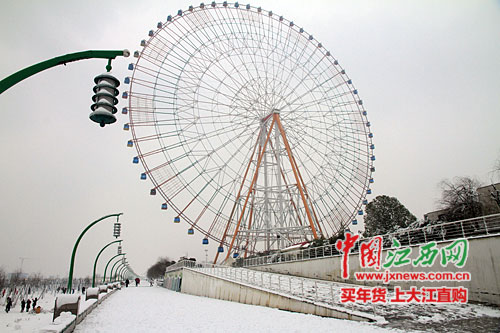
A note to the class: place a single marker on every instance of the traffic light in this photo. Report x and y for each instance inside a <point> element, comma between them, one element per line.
<point>104,108</point>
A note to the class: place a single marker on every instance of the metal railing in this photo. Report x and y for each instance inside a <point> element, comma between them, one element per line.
<point>181,264</point>
<point>470,228</point>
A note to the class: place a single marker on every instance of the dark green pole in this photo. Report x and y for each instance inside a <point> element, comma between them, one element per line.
<point>111,272</point>
<point>71,265</point>
<point>106,268</point>
<point>96,258</point>
<point>124,268</point>
<point>61,60</point>
<point>120,266</point>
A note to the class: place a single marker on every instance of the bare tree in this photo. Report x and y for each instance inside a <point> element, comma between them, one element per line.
<point>3,278</point>
<point>460,198</point>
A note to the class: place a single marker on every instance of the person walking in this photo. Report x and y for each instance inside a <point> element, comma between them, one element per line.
<point>34,303</point>
<point>28,304</point>
<point>23,304</point>
<point>126,283</point>
<point>8,305</point>
<point>137,281</point>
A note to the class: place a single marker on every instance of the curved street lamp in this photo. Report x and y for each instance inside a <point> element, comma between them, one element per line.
<point>112,267</point>
<point>106,268</point>
<point>72,263</point>
<point>95,262</point>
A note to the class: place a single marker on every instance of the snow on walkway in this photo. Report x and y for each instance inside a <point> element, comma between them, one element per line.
<point>156,309</point>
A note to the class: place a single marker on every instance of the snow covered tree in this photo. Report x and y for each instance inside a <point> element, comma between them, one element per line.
<point>386,214</point>
<point>460,198</point>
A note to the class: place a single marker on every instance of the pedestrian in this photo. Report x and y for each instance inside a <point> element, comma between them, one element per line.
<point>34,302</point>
<point>83,290</point>
<point>137,281</point>
<point>8,304</point>
<point>126,283</point>
<point>23,304</point>
<point>28,304</point>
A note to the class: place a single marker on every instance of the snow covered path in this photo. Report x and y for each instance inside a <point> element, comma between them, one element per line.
<point>155,309</point>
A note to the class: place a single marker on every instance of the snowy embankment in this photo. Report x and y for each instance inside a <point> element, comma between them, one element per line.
<point>17,321</point>
<point>155,309</point>
<point>423,317</point>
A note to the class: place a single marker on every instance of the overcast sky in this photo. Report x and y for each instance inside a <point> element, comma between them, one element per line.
<point>428,72</point>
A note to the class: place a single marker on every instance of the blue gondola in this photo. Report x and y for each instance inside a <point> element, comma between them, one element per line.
<point>130,66</point>
<point>177,219</point>
<point>360,212</point>
<point>143,176</point>
<point>126,127</point>
<point>190,231</point>
<point>372,157</point>
<point>152,192</point>
<point>130,143</point>
<point>205,241</point>
<point>135,160</point>
<point>124,111</point>
<point>368,191</point>
<point>354,222</point>
<point>126,80</point>
<point>365,202</point>
<point>371,180</point>
<point>236,255</point>
<point>220,249</point>
<point>372,146</point>
<point>164,206</point>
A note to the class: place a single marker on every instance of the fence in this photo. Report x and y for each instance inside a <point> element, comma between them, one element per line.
<point>475,227</point>
<point>317,291</point>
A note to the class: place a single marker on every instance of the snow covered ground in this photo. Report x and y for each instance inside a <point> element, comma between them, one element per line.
<point>156,309</point>
<point>15,321</point>
<point>418,317</point>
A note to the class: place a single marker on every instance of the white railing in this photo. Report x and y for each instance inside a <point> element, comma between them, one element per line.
<point>475,227</point>
<point>180,264</point>
<point>317,291</point>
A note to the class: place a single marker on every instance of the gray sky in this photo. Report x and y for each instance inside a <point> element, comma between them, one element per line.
<point>428,73</point>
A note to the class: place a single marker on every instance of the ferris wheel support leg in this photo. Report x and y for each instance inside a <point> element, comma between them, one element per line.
<point>307,196</point>
<point>259,161</point>
<point>235,202</point>
<point>276,118</point>
<point>249,225</point>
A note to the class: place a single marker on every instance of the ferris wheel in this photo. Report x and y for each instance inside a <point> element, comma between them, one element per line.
<point>248,128</point>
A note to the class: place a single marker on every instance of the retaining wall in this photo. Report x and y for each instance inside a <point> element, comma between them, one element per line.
<point>201,284</point>
<point>483,263</point>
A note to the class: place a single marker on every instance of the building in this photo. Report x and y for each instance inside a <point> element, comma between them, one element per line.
<point>488,197</point>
